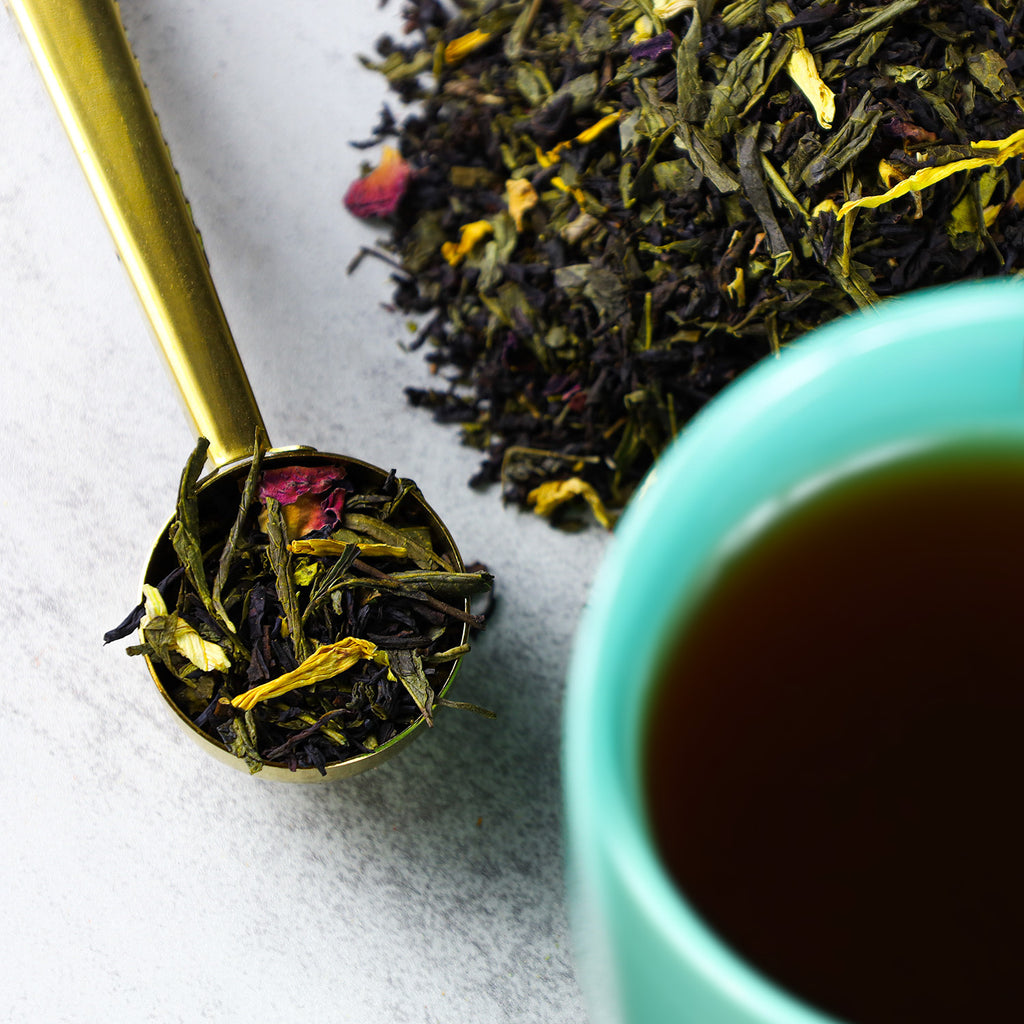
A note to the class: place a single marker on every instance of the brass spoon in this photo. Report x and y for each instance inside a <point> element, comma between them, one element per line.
<point>91,74</point>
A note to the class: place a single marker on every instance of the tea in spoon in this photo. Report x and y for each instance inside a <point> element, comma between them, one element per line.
<point>91,74</point>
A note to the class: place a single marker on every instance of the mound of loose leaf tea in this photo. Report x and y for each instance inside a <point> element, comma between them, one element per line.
<point>308,619</point>
<point>606,211</point>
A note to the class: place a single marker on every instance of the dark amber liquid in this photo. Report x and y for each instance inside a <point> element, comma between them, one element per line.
<point>835,753</point>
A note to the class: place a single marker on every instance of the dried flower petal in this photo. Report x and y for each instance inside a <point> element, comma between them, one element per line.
<point>469,236</point>
<point>324,663</point>
<point>643,29</point>
<point>462,47</point>
<point>311,497</point>
<point>890,173</point>
<point>204,654</point>
<point>670,8</point>
<point>554,155</point>
<point>521,197</point>
<point>994,154</point>
<point>289,483</point>
<point>325,548</point>
<point>378,193</point>
<point>553,493</point>
<point>804,72</point>
<point>653,48</point>
<point>591,133</point>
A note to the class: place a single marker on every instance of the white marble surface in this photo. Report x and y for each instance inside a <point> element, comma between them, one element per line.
<point>139,879</point>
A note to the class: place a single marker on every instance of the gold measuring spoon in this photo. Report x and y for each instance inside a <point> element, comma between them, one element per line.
<point>91,74</point>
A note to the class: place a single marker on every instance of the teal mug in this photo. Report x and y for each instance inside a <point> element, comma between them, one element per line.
<point>944,364</point>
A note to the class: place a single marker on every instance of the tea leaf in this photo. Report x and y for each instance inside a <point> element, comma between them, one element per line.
<point>374,578</point>
<point>757,194</point>
<point>242,741</point>
<point>227,555</point>
<point>448,584</point>
<point>281,564</point>
<point>422,555</point>
<point>692,104</point>
<point>184,533</point>
<point>684,165</point>
<point>328,581</point>
<point>407,667</point>
<point>870,22</point>
<point>465,706</point>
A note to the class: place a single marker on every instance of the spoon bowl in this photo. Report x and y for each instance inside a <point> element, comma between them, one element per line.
<point>218,500</point>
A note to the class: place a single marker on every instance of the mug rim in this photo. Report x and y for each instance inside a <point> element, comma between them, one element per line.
<point>624,837</point>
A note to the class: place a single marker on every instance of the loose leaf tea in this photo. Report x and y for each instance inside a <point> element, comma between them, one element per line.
<point>612,209</point>
<point>308,621</point>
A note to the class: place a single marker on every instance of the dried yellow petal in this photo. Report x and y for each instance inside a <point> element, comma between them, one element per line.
<point>643,29</point>
<point>462,47</point>
<point>204,654</point>
<point>577,193</point>
<point>736,289</point>
<point>154,602</point>
<point>549,495</point>
<point>993,154</point>
<point>553,155</point>
<point>324,663</point>
<point>469,236</point>
<point>591,133</point>
<point>670,8</point>
<point>890,173</point>
<point>325,547</point>
<point>804,72</point>
<point>522,196</point>
<point>382,551</point>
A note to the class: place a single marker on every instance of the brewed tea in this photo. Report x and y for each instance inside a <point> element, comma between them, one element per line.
<point>835,750</point>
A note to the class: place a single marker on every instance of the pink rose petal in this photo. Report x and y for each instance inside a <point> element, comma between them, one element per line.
<point>378,193</point>
<point>311,497</point>
<point>289,483</point>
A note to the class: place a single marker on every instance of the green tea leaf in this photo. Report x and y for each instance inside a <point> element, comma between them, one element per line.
<point>422,555</point>
<point>281,563</point>
<point>227,556</point>
<point>407,667</point>
<point>757,195</point>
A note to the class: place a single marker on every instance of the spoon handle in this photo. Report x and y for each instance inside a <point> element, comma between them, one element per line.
<point>93,78</point>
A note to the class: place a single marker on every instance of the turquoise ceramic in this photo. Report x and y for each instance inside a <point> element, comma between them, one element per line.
<point>938,365</point>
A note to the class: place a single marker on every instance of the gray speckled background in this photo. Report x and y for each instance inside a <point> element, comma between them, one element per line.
<point>141,880</point>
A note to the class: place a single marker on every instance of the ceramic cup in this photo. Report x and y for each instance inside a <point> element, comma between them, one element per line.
<point>939,365</point>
